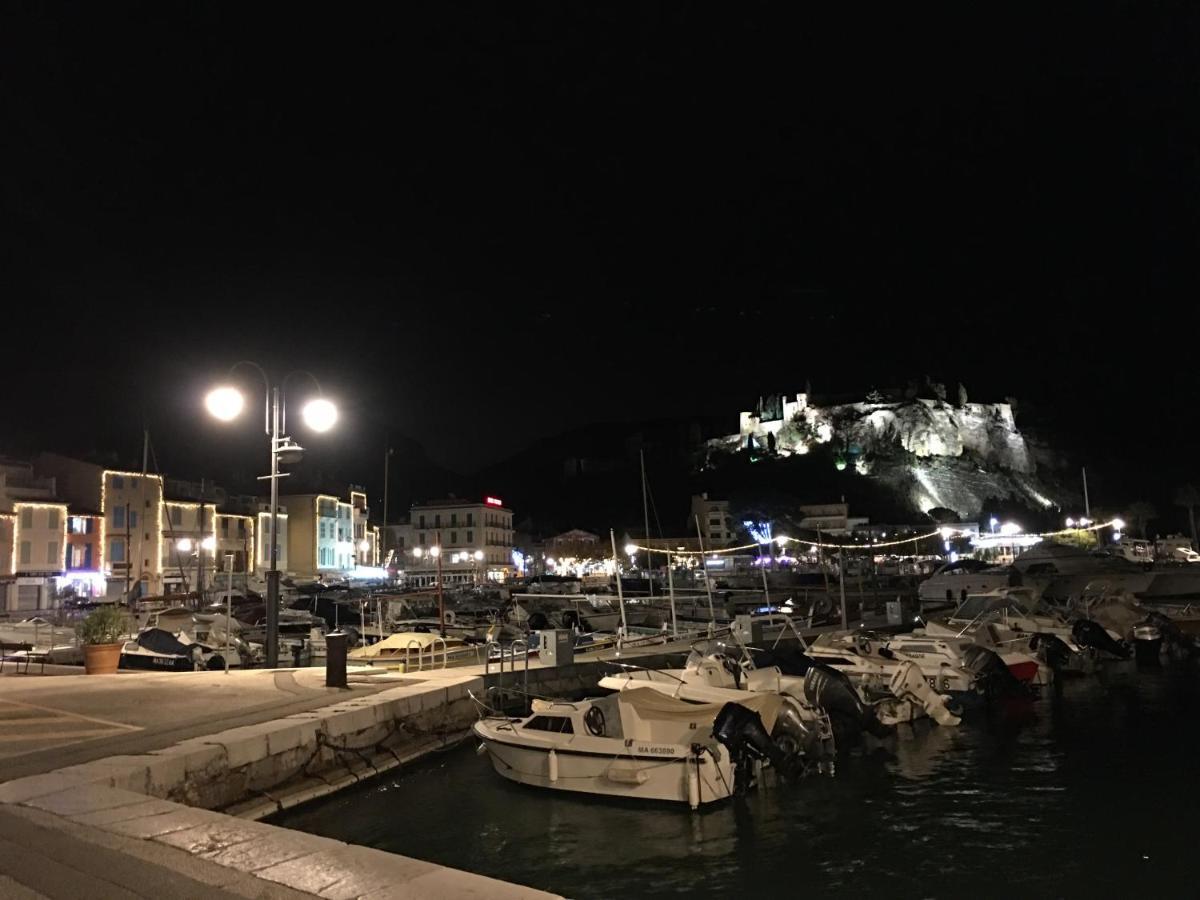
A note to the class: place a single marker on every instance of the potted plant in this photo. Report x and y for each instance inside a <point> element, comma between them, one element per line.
<point>101,633</point>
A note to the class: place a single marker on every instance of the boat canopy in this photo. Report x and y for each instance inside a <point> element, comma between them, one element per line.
<point>649,704</point>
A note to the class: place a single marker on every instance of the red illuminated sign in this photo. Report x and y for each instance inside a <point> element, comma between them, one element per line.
<point>492,501</point>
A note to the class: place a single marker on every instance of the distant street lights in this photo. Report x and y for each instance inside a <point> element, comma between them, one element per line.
<point>186,545</point>
<point>225,403</point>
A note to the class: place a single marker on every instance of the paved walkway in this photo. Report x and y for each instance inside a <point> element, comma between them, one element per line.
<point>104,829</point>
<point>48,723</point>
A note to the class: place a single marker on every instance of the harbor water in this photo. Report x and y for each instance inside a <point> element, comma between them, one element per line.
<point>1090,791</point>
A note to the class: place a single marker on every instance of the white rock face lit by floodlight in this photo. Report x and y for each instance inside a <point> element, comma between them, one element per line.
<point>224,403</point>
<point>320,414</point>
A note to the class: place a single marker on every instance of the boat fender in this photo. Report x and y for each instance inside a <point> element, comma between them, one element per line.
<point>594,720</point>
<point>553,766</point>
<point>693,785</point>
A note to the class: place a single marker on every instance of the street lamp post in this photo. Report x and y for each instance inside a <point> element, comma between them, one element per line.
<point>436,552</point>
<point>320,415</point>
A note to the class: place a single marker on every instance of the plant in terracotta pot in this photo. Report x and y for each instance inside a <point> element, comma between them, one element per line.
<point>101,633</point>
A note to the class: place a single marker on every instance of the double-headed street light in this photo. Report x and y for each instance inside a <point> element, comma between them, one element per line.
<point>225,403</point>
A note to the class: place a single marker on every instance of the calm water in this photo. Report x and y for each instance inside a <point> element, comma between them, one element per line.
<point>1092,792</point>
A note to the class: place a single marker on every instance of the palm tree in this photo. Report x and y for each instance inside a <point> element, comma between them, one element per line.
<point>1187,495</point>
<point>1139,514</point>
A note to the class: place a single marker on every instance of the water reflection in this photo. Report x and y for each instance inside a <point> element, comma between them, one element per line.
<point>1084,794</point>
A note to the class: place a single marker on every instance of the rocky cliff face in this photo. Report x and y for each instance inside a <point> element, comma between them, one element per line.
<point>934,453</point>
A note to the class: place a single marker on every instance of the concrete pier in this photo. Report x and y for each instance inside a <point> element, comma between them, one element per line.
<point>122,786</point>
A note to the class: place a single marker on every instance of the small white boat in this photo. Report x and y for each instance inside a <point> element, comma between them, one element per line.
<point>1014,619</point>
<point>638,743</point>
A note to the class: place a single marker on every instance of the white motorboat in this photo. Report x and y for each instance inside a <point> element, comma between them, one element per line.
<point>961,669</point>
<point>1015,620</point>
<point>638,743</point>
<point>825,701</point>
<point>586,612</point>
<point>953,582</point>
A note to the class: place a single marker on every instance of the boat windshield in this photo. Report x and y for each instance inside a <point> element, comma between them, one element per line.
<point>982,604</point>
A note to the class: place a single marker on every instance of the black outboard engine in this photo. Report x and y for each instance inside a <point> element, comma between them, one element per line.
<point>741,731</point>
<point>831,690</point>
<point>1092,634</point>
<point>1054,649</point>
<point>991,673</point>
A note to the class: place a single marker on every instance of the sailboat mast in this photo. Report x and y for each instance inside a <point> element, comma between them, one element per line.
<point>646,519</point>
<point>617,571</point>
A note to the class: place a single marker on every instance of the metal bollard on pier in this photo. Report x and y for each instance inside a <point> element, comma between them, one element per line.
<point>335,659</point>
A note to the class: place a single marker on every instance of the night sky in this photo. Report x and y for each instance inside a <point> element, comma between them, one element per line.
<point>483,224</point>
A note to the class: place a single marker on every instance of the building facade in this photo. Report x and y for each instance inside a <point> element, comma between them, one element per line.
<point>474,539</point>
<point>715,522</point>
<point>329,536</point>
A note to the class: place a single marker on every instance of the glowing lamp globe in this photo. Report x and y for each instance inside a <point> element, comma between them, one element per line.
<point>478,556</point>
<point>364,545</point>
<point>224,403</point>
<point>184,545</point>
<point>435,551</point>
<point>319,414</point>
<point>631,549</point>
<point>417,551</point>
<point>840,463</point>
<point>209,543</point>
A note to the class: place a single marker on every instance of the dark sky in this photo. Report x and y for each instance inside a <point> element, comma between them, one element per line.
<point>478,224</point>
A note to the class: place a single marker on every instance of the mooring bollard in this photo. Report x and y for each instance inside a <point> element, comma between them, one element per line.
<point>335,659</point>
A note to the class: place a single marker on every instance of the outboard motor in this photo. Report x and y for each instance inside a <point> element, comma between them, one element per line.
<point>991,673</point>
<point>1092,634</point>
<point>741,731</point>
<point>831,690</point>
<point>1054,649</point>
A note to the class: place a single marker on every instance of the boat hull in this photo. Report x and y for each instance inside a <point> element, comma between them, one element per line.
<point>147,662</point>
<point>612,775</point>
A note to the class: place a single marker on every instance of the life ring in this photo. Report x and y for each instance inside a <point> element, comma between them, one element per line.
<point>594,720</point>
